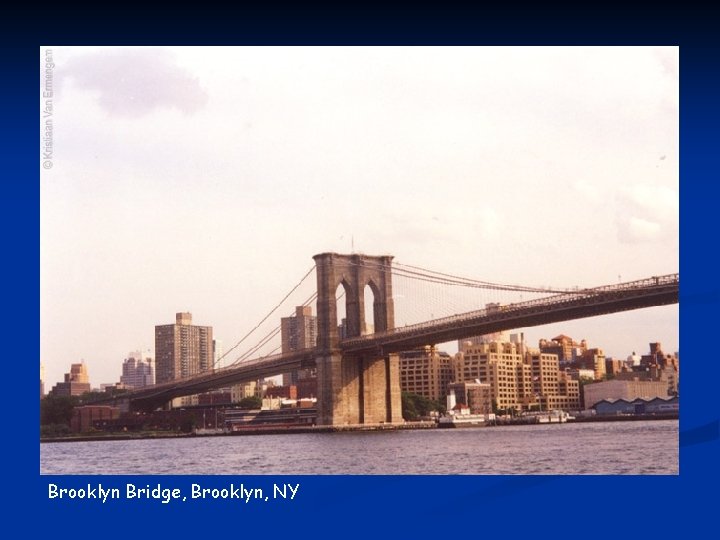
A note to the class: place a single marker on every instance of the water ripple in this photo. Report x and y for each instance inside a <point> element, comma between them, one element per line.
<point>586,448</point>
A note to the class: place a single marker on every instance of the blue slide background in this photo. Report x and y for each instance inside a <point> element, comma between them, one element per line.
<point>342,506</point>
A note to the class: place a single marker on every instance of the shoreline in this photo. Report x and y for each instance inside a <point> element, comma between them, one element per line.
<point>294,429</point>
<point>523,421</point>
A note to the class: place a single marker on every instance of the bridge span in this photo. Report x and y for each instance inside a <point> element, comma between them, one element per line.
<point>650,292</point>
<point>363,350</point>
<point>151,397</point>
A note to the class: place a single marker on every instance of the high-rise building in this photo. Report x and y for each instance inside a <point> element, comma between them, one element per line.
<point>298,332</point>
<point>137,372</point>
<point>218,353</point>
<point>78,373</point>
<point>76,382</point>
<point>499,364</point>
<point>182,349</point>
<point>519,378</point>
<point>426,372</point>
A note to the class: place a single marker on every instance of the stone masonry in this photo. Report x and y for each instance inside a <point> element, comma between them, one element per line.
<point>357,389</point>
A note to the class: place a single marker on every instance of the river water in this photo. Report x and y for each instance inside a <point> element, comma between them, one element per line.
<point>583,448</point>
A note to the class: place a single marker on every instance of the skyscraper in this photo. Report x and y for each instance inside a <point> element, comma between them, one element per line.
<point>137,372</point>
<point>182,349</point>
<point>76,382</point>
<point>298,332</point>
<point>218,352</point>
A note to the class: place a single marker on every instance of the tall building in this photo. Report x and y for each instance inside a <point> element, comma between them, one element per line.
<point>519,379</point>
<point>137,372</point>
<point>218,353</point>
<point>76,382</point>
<point>298,332</point>
<point>566,349</point>
<point>42,381</point>
<point>499,364</point>
<point>552,388</point>
<point>182,349</point>
<point>78,373</point>
<point>426,372</point>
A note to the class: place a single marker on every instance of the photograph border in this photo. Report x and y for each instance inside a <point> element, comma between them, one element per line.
<point>353,506</point>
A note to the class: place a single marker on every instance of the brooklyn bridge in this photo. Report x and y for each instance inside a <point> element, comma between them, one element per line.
<point>358,371</point>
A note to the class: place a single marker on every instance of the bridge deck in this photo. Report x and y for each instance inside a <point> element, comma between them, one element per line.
<point>655,291</point>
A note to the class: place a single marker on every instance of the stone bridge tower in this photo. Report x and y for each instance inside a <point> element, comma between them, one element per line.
<point>355,389</point>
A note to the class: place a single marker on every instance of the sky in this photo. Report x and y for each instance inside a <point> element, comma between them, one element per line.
<point>204,179</point>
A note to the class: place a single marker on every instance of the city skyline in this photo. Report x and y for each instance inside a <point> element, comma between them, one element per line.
<point>443,348</point>
<point>203,180</point>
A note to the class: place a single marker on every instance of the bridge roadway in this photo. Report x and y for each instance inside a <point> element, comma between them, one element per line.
<point>250,370</point>
<point>650,292</point>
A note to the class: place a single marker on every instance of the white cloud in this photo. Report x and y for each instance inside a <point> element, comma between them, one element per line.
<point>134,82</point>
<point>652,198</point>
<point>634,229</point>
<point>647,213</point>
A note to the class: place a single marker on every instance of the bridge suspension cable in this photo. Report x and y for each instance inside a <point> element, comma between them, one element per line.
<point>273,333</point>
<point>432,276</point>
<point>397,269</point>
<point>269,336</point>
<point>423,274</point>
<point>273,310</point>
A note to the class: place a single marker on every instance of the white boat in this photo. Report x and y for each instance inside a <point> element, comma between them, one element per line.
<point>465,420</point>
<point>553,417</point>
<point>210,431</point>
